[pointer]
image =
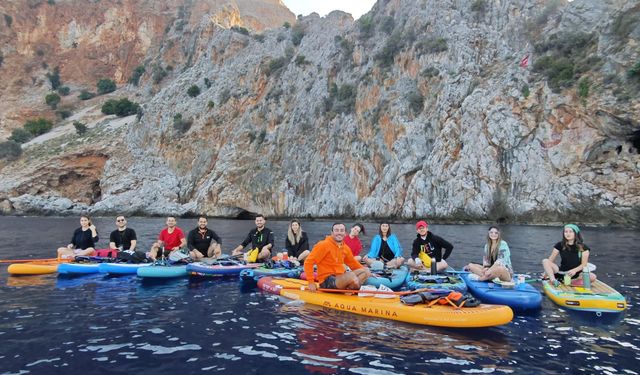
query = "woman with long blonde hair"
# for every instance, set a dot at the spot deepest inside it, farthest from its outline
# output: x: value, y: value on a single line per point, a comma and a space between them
x: 297, y: 242
x: 496, y: 261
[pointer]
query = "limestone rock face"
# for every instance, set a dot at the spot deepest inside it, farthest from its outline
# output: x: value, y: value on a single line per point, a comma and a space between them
x: 419, y: 109
x: 91, y: 40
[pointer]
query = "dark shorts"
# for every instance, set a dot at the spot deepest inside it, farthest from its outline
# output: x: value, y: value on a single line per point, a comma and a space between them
x: 329, y: 283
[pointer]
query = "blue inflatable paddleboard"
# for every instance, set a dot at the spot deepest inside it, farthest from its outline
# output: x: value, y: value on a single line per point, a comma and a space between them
x: 521, y: 297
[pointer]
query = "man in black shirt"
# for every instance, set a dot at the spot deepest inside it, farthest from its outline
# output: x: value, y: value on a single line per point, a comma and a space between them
x: 203, y: 242
x: 429, y: 245
x: 123, y: 238
x: 261, y: 240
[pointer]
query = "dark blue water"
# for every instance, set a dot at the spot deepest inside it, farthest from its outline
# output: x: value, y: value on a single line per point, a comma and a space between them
x: 96, y: 324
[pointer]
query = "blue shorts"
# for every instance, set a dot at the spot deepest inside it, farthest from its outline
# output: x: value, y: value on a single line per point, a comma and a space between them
x: 329, y: 283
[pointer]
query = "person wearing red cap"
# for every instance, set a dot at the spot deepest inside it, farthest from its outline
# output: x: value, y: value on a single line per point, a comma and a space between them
x: 427, y: 243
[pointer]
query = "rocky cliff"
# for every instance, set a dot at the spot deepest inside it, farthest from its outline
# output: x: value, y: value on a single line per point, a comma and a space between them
x: 486, y: 110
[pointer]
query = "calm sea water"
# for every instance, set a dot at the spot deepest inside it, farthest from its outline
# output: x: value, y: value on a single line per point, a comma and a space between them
x: 96, y: 324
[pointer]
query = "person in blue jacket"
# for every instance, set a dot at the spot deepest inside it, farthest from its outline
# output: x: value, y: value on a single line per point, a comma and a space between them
x: 385, y: 247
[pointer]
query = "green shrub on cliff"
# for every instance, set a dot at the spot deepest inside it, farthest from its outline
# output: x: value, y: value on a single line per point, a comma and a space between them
x: 297, y: 33
x: 432, y: 45
x: 52, y: 100
x: 181, y: 125
x: 120, y: 108
x: 105, y: 86
x: 20, y: 135
x: 274, y: 66
x: 634, y: 72
x: 566, y: 57
x: 64, y: 90
x: 136, y: 74
x: 387, y: 25
x: 158, y: 74
x: 240, y: 29
x: 365, y: 26
x: 10, y: 150
x: 341, y: 99
x: 86, y: 95
x: 38, y: 126
x: 81, y: 128
x: 390, y: 49
x: 193, y: 91
x: 54, y: 78
x: 478, y: 6
x: 8, y: 20
x: 416, y: 102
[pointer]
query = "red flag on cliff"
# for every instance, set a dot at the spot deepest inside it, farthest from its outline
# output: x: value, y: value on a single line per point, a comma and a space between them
x: 524, y: 62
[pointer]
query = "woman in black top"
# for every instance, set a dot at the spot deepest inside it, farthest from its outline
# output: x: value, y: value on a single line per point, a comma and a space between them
x: 574, y: 256
x: 83, y: 242
x: 297, y: 242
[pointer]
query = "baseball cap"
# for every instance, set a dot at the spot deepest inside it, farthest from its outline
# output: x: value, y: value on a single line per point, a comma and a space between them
x: 421, y: 223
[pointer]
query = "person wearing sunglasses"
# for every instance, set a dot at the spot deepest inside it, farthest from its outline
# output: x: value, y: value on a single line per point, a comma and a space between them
x: 123, y: 238
x: 496, y: 261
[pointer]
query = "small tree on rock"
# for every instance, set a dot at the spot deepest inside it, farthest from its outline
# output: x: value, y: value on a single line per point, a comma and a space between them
x: 106, y: 86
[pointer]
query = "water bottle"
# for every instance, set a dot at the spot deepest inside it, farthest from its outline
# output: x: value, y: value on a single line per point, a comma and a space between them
x: 586, y: 278
x: 434, y: 268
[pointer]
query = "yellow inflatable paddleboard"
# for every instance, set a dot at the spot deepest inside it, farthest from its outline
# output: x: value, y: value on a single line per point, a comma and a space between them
x: 36, y: 268
x: 391, y: 308
x: 600, y: 298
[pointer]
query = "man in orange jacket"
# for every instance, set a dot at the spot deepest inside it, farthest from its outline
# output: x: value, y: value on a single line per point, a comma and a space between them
x: 331, y: 255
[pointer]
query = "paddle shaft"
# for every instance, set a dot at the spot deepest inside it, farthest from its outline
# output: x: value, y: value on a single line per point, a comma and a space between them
x: 28, y: 260
x: 304, y: 287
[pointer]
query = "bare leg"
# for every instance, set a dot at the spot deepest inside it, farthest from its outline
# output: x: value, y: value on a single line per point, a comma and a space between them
x: 413, y: 265
x: 395, y: 262
x: 347, y: 280
x: 153, y: 253
x: 303, y: 256
x: 89, y: 251
x: 498, y: 271
x: 442, y: 265
x: 65, y: 253
x: 476, y: 269
x: 368, y: 260
x: 363, y: 274
x: 550, y: 269
x: 264, y: 254
x: 196, y: 255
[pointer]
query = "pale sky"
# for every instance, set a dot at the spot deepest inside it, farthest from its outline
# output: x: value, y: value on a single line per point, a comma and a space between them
x: 324, y: 7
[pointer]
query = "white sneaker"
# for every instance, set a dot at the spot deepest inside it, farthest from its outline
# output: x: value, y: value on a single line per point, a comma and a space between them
x: 384, y: 288
x: 367, y: 288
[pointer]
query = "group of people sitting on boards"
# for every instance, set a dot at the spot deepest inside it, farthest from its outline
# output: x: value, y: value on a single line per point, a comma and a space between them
x: 337, y: 258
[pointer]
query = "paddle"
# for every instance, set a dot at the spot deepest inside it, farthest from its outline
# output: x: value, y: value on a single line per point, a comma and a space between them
x: 33, y: 260
x: 357, y: 291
